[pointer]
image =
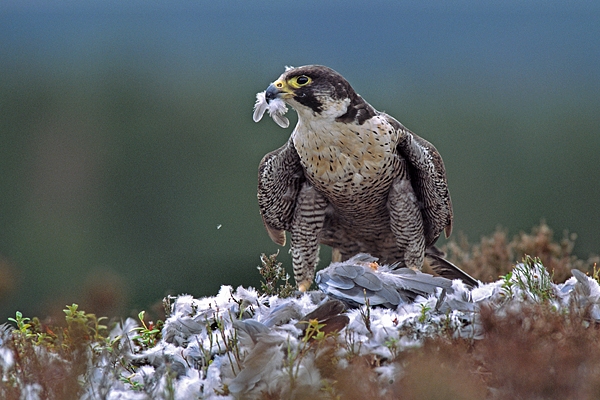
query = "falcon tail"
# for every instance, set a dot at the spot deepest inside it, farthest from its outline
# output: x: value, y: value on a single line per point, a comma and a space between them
x: 445, y: 268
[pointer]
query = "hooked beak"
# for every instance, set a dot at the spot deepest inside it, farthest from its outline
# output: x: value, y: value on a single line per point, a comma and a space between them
x: 272, y: 93
x: 278, y: 90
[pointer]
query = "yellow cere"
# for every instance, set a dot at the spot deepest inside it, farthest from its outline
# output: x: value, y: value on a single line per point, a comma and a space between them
x: 283, y: 86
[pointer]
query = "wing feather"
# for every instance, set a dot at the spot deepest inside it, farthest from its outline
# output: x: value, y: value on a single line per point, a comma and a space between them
x: 280, y: 176
x: 428, y: 178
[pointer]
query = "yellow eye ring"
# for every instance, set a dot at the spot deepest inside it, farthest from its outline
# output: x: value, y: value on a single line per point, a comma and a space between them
x: 299, y: 81
x: 302, y: 80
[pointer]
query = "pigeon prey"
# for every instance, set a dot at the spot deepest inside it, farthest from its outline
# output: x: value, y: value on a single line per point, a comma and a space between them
x: 349, y: 177
x: 361, y: 279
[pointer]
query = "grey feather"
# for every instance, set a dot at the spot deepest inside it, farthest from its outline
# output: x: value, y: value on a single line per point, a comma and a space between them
x: 380, y: 286
x: 264, y: 358
x: 583, y: 283
x: 419, y: 281
x: 339, y: 281
x: 369, y: 281
x: 282, y: 314
x: 252, y: 328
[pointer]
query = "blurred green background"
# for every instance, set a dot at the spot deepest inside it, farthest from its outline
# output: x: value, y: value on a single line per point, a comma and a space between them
x: 128, y: 154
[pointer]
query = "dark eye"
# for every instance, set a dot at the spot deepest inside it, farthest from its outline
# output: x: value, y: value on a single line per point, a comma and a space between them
x: 299, y: 81
x: 302, y: 80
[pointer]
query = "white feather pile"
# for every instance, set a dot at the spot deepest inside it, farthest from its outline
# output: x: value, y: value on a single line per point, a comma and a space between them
x: 239, y: 344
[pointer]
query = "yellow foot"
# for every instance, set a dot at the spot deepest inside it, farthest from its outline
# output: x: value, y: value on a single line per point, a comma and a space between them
x: 304, y: 285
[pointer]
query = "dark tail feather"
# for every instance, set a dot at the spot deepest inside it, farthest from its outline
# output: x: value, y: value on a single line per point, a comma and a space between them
x: 445, y: 268
x: 328, y: 314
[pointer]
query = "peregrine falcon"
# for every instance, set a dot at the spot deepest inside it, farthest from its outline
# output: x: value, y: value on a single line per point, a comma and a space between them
x: 350, y: 177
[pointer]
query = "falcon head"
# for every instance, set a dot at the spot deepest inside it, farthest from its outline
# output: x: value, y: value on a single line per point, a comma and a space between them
x: 316, y: 91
